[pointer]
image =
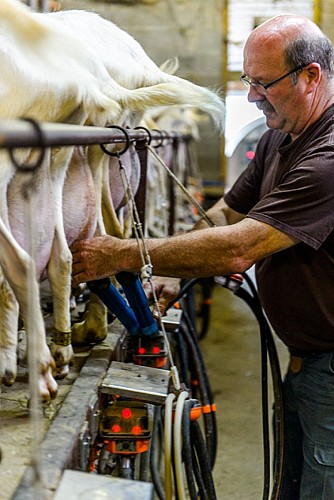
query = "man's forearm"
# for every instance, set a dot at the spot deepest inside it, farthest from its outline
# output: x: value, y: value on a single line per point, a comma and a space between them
x: 198, y: 253
x: 219, y: 214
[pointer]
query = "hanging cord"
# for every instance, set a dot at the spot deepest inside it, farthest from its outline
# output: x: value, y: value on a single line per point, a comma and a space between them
x: 267, y: 346
x: 146, y: 270
x: 188, y: 455
x: 35, y: 411
x: 202, y: 457
x: 209, y: 414
x: 188, y: 335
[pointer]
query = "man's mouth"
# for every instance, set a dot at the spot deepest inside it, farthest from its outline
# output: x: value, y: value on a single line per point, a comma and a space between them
x: 266, y: 108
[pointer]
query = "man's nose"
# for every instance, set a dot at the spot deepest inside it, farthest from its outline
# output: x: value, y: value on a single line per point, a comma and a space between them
x: 255, y: 95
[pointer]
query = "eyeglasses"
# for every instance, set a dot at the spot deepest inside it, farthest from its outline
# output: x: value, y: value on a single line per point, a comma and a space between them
x: 264, y: 87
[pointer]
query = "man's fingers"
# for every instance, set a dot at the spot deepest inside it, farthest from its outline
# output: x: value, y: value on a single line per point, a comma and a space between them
x: 162, y: 305
x: 78, y: 278
x: 147, y: 287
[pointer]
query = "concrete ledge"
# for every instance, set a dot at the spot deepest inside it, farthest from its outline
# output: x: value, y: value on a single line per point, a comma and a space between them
x: 79, y: 486
x: 60, y: 443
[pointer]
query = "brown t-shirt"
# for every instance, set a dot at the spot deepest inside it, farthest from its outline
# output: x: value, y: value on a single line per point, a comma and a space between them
x: 290, y: 185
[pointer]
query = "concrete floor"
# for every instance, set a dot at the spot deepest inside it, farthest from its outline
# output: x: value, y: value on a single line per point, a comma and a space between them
x: 231, y: 350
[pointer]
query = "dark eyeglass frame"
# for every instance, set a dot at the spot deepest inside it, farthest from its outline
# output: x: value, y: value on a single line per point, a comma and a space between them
x: 267, y: 86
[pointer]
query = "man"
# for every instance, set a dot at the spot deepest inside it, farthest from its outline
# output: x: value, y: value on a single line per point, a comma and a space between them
x: 279, y: 216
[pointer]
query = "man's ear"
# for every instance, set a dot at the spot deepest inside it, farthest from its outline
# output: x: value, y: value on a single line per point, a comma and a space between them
x: 313, y: 72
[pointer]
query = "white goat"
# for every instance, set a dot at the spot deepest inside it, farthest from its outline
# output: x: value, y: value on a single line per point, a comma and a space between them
x: 44, y: 76
x: 56, y: 73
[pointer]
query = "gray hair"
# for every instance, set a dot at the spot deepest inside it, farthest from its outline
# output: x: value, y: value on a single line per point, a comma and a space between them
x: 308, y: 48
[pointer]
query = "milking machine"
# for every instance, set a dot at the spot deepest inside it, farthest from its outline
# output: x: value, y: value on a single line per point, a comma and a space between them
x: 131, y: 414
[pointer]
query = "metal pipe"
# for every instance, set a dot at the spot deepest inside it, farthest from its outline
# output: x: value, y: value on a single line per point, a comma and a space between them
x: 20, y: 133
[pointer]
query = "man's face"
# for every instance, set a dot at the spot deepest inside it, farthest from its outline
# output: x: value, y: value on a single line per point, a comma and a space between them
x: 283, y: 103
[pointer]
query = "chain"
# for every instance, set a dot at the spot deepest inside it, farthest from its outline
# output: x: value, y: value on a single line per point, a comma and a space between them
x: 146, y: 270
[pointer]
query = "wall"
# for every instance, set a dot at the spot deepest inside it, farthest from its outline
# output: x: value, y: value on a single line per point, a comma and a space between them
x: 327, y: 18
x: 244, y: 15
x: 188, y: 29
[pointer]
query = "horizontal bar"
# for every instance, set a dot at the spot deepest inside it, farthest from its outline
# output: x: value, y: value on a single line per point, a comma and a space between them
x: 21, y: 133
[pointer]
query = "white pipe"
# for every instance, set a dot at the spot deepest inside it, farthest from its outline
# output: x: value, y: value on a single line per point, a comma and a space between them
x: 178, y: 445
x: 168, y: 446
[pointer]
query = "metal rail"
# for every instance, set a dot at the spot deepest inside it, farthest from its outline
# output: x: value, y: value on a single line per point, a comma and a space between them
x: 21, y: 133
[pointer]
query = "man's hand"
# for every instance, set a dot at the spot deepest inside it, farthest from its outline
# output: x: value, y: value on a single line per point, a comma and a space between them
x: 166, y: 290
x: 95, y: 258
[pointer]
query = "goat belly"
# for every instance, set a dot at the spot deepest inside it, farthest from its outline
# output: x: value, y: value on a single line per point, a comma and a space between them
x: 79, y: 199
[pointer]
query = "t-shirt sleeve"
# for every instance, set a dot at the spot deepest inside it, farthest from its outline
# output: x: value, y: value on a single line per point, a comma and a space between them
x: 245, y: 193
x: 302, y: 203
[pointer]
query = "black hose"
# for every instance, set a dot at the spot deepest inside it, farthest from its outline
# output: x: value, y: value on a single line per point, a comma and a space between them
x: 203, y: 459
x: 183, y: 358
x: 267, y: 347
x: 209, y: 418
x: 186, y: 286
x: 207, y: 399
x: 264, y: 386
x: 254, y: 303
x: 278, y: 396
x: 187, y: 451
x: 202, y: 493
x: 189, y: 303
x: 155, y: 454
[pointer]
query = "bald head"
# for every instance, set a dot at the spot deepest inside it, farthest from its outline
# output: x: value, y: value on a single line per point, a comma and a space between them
x: 286, y: 26
x: 293, y: 39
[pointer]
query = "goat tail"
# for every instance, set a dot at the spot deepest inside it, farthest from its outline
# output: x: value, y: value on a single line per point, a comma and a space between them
x: 101, y: 110
x: 178, y: 92
x: 19, y: 19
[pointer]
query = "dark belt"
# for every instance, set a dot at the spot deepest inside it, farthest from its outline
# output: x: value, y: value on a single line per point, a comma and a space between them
x: 307, y: 354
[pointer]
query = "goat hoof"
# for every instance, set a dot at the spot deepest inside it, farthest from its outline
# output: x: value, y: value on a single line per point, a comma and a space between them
x: 62, y: 372
x: 87, y: 338
x: 9, y: 378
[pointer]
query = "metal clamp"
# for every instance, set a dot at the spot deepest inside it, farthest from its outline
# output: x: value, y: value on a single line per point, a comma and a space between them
x: 148, y: 140
x: 41, y: 144
x: 127, y: 143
